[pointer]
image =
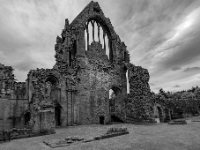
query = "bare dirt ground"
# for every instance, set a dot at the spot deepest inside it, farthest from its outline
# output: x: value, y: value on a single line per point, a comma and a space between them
x: 141, y: 137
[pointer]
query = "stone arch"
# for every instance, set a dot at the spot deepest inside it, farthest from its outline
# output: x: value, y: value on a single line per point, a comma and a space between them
x: 54, y: 74
x: 158, y: 112
x: 93, y: 12
x: 105, y: 39
x: 52, y: 79
x: 115, y: 105
x: 117, y: 91
x: 52, y: 89
x: 105, y: 22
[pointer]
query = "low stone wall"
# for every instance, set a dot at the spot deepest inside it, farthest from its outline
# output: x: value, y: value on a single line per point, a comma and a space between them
x: 112, y: 132
x: 21, y: 133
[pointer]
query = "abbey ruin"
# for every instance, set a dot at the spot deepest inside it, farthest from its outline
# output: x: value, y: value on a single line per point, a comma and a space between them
x: 75, y: 90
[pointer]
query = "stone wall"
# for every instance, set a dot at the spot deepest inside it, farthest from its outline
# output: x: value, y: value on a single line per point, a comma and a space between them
x: 90, y: 71
x: 13, y: 100
x: 12, y: 113
x: 76, y: 90
x: 137, y: 104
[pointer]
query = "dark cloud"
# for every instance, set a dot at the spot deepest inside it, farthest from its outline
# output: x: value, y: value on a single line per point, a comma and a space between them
x: 192, y: 69
x: 176, y: 86
x: 185, y: 53
x: 175, y: 68
x: 28, y: 30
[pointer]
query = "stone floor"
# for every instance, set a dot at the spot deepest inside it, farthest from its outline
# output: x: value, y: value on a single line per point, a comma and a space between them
x: 141, y: 137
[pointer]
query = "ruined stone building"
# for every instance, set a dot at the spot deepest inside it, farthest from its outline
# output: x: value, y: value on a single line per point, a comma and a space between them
x: 14, y: 104
x: 89, y: 63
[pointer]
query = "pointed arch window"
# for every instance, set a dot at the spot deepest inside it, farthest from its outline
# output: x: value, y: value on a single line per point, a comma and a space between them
x: 96, y: 32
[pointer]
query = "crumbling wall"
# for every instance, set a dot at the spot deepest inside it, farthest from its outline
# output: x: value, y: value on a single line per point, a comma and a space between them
x: 82, y: 76
x: 89, y: 70
x: 6, y: 82
x: 13, y: 100
x: 42, y: 103
x: 137, y: 104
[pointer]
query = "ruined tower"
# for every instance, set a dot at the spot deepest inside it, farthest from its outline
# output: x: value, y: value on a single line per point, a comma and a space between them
x: 88, y: 70
x: 91, y: 60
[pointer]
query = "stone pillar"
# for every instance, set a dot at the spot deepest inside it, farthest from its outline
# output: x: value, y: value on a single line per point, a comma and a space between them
x: 81, y: 43
x: 98, y: 25
x: 63, y: 103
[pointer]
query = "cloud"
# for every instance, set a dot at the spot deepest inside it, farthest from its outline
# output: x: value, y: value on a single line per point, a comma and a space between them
x: 162, y: 36
x: 176, y: 86
x: 28, y: 31
x: 192, y: 69
x: 175, y: 68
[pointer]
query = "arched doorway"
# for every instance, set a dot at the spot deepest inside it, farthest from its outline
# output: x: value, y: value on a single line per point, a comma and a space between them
x: 114, y: 93
x: 27, y: 118
x: 58, y: 115
x: 53, y: 94
x: 114, y: 97
x: 160, y: 115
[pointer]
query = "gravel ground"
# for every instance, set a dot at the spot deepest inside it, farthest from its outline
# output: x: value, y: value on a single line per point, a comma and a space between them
x: 141, y: 137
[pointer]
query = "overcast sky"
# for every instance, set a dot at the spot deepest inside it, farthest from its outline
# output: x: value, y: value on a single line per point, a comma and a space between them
x: 161, y: 35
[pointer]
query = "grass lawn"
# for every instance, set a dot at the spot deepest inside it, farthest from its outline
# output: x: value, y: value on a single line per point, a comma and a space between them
x: 141, y: 137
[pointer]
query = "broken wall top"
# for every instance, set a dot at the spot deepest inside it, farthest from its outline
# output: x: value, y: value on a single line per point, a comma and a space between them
x: 73, y: 32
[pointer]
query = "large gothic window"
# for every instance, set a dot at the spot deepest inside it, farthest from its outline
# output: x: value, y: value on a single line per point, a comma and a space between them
x: 95, y: 32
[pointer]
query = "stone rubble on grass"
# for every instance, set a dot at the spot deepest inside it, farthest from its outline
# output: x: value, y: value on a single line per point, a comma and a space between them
x: 112, y: 132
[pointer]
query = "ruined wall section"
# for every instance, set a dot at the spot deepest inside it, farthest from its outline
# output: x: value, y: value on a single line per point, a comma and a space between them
x: 138, y: 80
x: 42, y: 106
x: 138, y: 103
x: 9, y: 88
x: 98, y: 77
x: 90, y: 72
x: 13, y: 99
x: 7, y: 81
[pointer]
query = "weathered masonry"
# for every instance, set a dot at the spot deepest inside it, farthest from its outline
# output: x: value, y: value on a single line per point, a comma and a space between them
x: 90, y: 61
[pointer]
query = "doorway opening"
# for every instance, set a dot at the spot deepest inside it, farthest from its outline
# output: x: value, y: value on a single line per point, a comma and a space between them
x: 27, y: 118
x: 114, y: 93
x: 159, y: 113
x: 58, y: 115
x: 101, y: 119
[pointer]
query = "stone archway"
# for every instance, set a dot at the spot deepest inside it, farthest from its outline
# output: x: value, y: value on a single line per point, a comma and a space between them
x: 52, y: 91
x: 159, y: 110
x: 97, y: 31
x: 114, y: 93
x: 114, y: 105
x: 52, y: 94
